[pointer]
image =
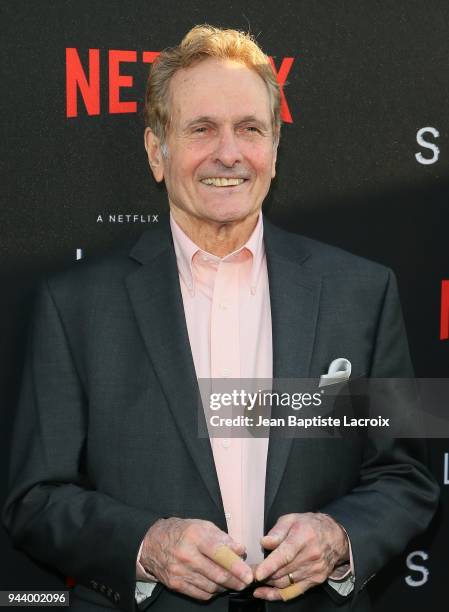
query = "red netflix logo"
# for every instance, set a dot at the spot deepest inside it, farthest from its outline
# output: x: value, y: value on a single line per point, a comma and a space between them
x: 86, y: 81
x: 444, y: 324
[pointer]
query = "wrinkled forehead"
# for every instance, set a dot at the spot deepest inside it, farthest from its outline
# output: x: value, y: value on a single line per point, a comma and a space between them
x: 220, y: 89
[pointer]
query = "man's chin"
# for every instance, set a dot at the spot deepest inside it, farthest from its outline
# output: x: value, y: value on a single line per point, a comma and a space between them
x: 228, y: 214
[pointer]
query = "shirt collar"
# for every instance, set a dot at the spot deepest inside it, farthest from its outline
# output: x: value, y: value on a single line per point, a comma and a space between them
x: 185, y: 250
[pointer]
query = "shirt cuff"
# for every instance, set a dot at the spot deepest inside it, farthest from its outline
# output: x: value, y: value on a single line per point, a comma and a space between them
x: 342, y: 578
x: 145, y: 582
x: 141, y: 572
x: 343, y: 587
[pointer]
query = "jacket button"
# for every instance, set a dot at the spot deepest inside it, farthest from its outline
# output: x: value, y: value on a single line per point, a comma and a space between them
x: 116, y: 597
x: 93, y: 584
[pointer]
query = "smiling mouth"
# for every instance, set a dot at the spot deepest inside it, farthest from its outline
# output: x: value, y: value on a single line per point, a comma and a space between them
x: 223, y: 182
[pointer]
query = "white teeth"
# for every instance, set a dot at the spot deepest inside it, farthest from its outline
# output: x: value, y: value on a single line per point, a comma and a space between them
x: 223, y: 182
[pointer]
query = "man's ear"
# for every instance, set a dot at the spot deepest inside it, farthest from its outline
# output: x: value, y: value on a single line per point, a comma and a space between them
x: 153, y: 148
x: 275, y: 155
x: 277, y: 135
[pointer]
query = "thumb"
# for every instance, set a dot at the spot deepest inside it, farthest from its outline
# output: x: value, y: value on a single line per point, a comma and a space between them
x: 278, y: 532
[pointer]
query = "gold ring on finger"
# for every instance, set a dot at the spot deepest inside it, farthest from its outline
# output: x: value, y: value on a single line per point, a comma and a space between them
x: 290, y: 577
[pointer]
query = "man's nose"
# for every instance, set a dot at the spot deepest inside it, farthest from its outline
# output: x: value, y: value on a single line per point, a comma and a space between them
x: 228, y: 148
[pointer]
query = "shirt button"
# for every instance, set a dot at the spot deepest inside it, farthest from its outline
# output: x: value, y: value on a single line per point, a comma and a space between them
x: 223, y: 305
x: 225, y: 373
x: 226, y: 443
x: 204, y: 257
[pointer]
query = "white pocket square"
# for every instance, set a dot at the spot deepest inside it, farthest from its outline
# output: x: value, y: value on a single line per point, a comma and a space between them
x: 339, y: 371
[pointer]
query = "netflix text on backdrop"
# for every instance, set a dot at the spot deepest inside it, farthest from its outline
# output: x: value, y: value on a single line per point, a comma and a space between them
x: 85, y: 80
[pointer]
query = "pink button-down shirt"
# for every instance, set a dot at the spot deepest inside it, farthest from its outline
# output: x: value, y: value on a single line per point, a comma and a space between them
x: 228, y: 315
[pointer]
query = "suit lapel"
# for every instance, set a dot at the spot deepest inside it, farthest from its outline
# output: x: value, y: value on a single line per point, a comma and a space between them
x: 294, y: 297
x: 156, y: 299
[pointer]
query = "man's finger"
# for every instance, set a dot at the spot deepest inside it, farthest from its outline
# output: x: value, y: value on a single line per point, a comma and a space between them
x: 286, y: 579
x: 204, y: 584
x: 285, y: 594
x: 300, y: 566
x: 193, y: 591
x: 226, y: 558
x: 292, y: 591
x: 268, y: 593
x: 215, y: 537
x: 282, y: 556
x: 210, y: 570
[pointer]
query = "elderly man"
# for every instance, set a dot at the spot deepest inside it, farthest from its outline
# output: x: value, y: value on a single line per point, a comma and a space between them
x: 111, y: 483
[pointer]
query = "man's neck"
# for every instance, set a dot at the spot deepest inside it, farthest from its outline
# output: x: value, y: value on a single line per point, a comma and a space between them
x: 219, y: 239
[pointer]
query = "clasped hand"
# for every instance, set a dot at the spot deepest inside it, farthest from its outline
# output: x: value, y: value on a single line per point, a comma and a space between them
x: 305, y: 549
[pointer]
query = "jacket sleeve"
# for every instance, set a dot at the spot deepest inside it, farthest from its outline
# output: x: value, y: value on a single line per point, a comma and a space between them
x: 396, y: 495
x: 53, y: 512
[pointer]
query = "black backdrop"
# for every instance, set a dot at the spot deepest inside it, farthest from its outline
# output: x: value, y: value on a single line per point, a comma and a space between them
x: 356, y: 169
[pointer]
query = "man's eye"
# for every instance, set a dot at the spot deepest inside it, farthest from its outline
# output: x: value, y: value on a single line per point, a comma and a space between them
x: 200, y: 130
x: 251, y: 128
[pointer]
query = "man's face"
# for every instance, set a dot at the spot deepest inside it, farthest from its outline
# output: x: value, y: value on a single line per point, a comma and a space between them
x: 221, y: 157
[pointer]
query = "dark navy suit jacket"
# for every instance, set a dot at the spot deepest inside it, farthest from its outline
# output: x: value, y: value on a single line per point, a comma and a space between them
x: 106, y: 432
